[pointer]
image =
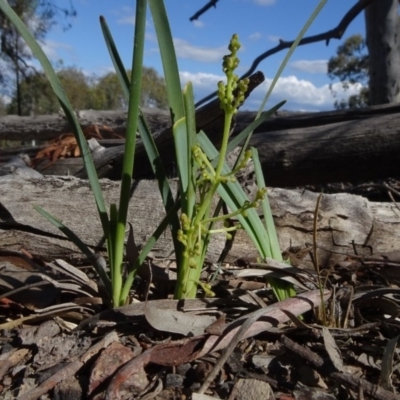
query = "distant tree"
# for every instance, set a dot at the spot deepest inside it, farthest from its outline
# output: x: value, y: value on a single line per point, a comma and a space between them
x: 77, y: 86
x: 350, y: 66
x: 39, y: 16
x: 107, y: 93
x: 39, y: 98
x: 84, y: 92
x: 154, y: 93
x: 3, y: 106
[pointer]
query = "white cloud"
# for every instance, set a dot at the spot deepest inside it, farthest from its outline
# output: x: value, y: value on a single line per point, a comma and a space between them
x: 273, y: 38
x: 201, y: 54
x: 198, y: 24
x: 300, y: 94
x: 128, y: 20
x: 126, y: 16
x: 264, y: 2
x: 255, y: 36
x: 202, y: 80
x: 6, y: 100
x: 52, y: 48
x: 311, y: 66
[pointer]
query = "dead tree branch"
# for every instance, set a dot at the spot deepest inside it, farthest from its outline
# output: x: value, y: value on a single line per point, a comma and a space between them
x: 335, y: 33
x: 211, y: 3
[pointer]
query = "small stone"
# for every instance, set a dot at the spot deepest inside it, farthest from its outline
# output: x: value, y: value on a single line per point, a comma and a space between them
x: 174, y: 380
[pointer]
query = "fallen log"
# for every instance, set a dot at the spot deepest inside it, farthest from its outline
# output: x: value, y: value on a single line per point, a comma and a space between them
x: 351, y: 151
x: 345, y: 221
x: 337, y: 146
x: 46, y: 127
x: 363, y: 146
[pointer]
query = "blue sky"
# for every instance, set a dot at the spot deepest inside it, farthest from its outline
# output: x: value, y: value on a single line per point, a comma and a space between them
x: 200, y: 45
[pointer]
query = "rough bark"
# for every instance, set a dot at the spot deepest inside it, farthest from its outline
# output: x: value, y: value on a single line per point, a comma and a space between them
x: 350, y: 151
x: 383, y: 42
x: 293, y: 152
x: 342, y: 220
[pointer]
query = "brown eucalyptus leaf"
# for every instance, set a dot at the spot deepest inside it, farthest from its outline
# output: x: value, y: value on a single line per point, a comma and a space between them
x: 266, y: 318
x: 387, y: 364
x: 332, y: 349
x: 176, y: 321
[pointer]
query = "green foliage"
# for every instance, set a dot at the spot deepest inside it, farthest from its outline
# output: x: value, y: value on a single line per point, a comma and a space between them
x: 38, y: 97
x: 3, y: 106
x: 84, y: 92
x: 350, y: 66
x: 153, y: 93
x: 107, y: 94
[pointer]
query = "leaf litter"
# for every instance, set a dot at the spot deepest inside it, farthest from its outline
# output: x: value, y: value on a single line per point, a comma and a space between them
x: 60, y: 339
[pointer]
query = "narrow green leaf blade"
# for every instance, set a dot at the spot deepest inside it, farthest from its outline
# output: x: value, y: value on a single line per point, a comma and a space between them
x: 281, y: 288
x: 269, y: 221
x: 169, y: 60
x: 185, y: 138
x: 115, y: 57
x: 181, y: 146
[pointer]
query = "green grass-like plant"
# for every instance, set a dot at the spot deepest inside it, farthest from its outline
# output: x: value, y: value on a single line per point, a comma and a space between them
x: 202, y: 170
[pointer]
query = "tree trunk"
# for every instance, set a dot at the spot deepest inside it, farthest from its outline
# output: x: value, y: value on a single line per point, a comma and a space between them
x: 383, y: 42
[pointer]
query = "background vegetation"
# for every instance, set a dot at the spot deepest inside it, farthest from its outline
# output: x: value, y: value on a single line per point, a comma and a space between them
x: 85, y: 92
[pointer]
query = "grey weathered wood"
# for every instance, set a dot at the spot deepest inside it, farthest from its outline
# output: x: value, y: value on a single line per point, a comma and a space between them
x: 342, y: 219
x: 363, y: 148
x: 47, y: 127
x: 347, y: 145
x: 345, y: 151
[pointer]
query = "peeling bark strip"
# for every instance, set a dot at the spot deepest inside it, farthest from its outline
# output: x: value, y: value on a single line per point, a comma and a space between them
x: 342, y: 220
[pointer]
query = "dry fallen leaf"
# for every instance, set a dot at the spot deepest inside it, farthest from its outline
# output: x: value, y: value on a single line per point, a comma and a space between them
x: 175, y: 321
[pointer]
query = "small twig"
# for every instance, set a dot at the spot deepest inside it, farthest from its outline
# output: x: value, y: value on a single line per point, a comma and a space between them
x: 390, y: 188
x: 196, y: 15
x: 227, y: 352
x: 374, y: 391
x: 315, y: 256
x: 346, y: 318
x: 303, y: 352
